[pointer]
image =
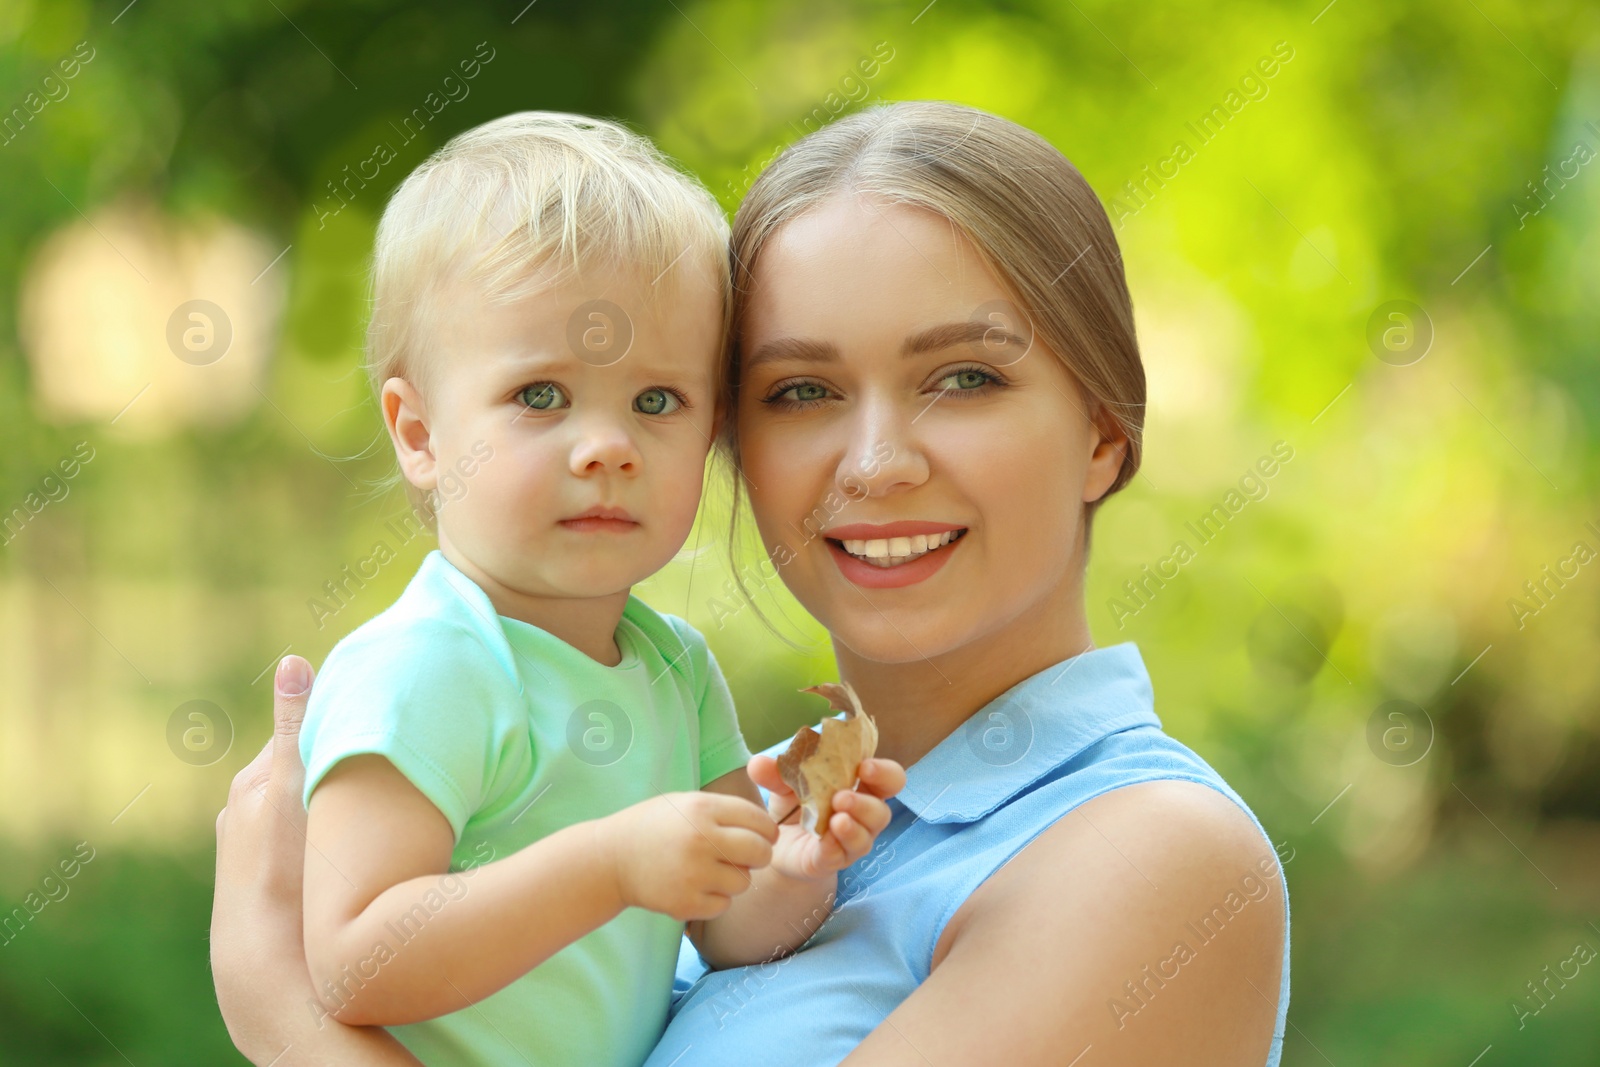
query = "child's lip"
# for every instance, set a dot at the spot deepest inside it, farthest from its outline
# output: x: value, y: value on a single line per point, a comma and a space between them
x: 599, y: 525
x: 618, y: 514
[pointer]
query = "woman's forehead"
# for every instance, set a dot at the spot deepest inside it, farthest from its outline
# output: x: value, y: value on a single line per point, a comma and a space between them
x: 851, y: 264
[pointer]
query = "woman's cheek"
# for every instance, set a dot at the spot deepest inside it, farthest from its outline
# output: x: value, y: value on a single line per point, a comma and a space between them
x: 767, y: 486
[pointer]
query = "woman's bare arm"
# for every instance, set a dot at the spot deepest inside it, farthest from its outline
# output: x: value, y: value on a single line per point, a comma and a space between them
x: 1141, y: 928
x: 258, y: 960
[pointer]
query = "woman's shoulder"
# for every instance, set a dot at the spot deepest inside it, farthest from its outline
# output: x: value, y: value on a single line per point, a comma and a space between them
x: 1181, y: 841
x: 1153, y: 909
x: 1140, y: 807
x: 1179, y: 826
x: 1146, y: 774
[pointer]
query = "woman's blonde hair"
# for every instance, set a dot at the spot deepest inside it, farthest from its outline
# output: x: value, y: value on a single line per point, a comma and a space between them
x: 523, y: 202
x: 1019, y: 201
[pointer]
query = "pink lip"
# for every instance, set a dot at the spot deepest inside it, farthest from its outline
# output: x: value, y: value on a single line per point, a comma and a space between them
x: 601, y: 520
x: 866, y: 531
x: 870, y: 577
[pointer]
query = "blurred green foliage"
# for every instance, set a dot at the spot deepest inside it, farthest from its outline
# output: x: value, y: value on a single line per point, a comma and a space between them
x: 1389, y: 158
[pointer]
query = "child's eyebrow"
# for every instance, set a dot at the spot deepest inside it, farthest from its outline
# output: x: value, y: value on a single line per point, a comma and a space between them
x: 540, y: 361
x: 529, y: 359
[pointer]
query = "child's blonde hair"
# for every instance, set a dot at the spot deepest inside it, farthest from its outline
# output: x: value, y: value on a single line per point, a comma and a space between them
x: 524, y: 202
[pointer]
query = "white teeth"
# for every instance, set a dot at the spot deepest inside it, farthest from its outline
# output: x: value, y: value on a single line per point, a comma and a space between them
x: 893, y: 551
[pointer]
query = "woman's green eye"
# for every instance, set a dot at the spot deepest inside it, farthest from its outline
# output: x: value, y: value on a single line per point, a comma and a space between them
x: 805, y: 392
x: 543, y: 396
x: 965, y: 380
x: 656, y: 402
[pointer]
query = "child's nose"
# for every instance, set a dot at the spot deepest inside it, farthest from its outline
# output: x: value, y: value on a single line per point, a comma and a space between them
x: 605, y: 446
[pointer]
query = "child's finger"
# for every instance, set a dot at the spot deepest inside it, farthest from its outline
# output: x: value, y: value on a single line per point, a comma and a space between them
x: 873, y: 814
x: 729, y: 880
x: 881, y: 777
x: 832, y: 855
x: 781, y: 801
x: 742, y: 847
x: 737, y: 812
x: 853, y: 840
x: 763, y: 771
x: 784, y: 812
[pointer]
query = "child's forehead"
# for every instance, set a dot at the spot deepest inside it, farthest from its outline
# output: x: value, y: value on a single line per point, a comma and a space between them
x: 550, y: 290
x: 595, y: 318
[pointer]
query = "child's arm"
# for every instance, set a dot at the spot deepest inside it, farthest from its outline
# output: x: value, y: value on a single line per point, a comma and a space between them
x: 392, y: 937
x: 792, y: 897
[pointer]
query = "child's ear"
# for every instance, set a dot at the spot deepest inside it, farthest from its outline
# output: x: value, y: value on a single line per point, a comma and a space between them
x: 405, y: 416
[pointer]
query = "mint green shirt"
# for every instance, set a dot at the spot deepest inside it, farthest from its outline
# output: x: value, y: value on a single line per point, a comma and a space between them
x: 513, y: 734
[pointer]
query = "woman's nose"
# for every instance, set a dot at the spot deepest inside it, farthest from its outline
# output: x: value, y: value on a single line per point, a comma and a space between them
x: 884, y: 454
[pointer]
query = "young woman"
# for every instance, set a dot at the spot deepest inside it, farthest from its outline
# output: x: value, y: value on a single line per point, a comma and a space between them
x: 934, y: 383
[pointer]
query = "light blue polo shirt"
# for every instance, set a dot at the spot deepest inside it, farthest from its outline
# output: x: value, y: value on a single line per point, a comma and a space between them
x: 1058, y: 739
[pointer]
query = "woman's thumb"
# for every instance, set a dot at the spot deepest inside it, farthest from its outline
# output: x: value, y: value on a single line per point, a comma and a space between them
x: 291, y: 691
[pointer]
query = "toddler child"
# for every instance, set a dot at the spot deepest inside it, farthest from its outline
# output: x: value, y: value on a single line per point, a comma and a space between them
x: 521, y: 781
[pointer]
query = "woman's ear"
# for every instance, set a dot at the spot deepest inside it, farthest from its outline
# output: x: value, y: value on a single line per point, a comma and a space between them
x: 406, y: 418
x: 1109, y: 444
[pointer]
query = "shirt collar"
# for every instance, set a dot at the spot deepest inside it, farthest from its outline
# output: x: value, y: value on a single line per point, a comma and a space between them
x: 1028, y: 731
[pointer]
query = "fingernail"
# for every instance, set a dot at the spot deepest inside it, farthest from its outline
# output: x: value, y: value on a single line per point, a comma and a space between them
x: 293, y: 677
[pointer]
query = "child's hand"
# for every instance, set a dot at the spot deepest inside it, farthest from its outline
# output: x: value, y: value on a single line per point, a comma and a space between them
x: 687, y: 855
x: 859, y: 816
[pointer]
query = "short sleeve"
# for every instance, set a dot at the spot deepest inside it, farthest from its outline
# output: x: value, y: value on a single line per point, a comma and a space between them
x: 429, y: 696
x: 722, y: 747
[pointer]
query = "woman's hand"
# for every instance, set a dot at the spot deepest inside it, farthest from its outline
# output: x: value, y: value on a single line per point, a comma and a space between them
x: 859, y: 816
x: 257, y: 944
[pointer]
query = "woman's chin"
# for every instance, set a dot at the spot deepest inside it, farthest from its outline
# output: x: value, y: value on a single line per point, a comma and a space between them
x: 890, y: 638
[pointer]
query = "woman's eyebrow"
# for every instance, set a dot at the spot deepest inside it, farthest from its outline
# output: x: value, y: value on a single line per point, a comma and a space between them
x: 952, y: 334
x: 933, y: 339
x: 793, y: 349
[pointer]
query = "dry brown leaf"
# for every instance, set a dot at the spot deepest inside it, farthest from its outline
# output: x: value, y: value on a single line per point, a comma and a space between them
x: 818, y: 766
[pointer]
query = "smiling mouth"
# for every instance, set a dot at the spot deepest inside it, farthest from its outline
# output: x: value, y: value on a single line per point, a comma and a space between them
x: 893, y: 551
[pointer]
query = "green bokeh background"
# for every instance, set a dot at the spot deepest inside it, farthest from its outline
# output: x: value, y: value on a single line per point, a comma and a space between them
x: 1388, y: 159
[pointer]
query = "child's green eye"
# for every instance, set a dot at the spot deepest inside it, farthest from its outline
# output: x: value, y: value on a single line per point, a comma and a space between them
x: 544, y: 396
x: 656, y: 402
